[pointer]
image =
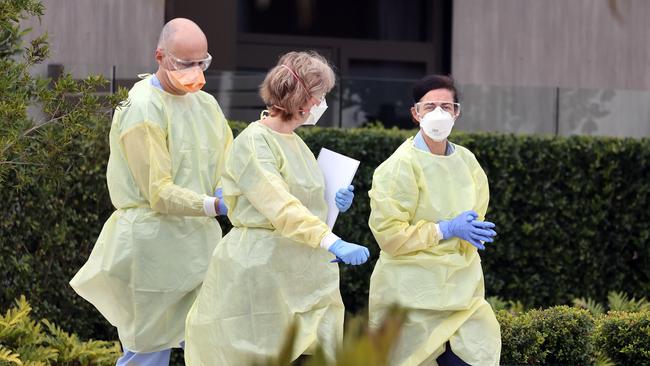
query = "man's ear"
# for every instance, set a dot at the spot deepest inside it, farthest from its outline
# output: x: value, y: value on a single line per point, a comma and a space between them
x: 158, y: 54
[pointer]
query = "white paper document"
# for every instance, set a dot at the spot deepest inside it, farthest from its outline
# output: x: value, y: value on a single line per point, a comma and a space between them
x: 338, y: 171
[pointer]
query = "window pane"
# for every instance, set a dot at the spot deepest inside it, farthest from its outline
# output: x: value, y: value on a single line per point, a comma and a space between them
x: 362, y: 19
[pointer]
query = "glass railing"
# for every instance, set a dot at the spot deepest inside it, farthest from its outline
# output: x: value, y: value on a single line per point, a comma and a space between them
x: 557, y: 111
x: 356, y: 102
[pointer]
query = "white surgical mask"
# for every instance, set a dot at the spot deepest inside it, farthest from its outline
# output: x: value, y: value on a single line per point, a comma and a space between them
x: 315, y: 113
x: 437, y: 124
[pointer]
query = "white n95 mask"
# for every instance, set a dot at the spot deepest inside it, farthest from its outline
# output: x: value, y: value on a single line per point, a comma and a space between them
x: 437, y: 124
x: 315, y: 113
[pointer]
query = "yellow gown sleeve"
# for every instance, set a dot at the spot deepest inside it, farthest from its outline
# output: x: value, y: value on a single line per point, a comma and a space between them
x: 148, y: 158
x: 227, y: 141
x: 482, y: 189
x: 255, y: 171
x: 393, y: 201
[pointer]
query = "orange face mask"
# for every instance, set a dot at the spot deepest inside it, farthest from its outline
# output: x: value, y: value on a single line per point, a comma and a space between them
x: 188, y: 80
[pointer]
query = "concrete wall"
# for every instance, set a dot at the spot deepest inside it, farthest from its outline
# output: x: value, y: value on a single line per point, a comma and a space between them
x: 526, y: 66
x: 565, y: 43
x: 92, y: 35
x: 553, y: 66
x: 555, y: 111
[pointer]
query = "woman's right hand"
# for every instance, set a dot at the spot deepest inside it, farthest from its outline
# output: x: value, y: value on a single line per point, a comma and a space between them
x: 466, y: 226
x: 349, y: 253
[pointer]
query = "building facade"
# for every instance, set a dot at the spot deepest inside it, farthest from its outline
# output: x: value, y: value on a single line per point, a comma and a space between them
x: 526, y: 66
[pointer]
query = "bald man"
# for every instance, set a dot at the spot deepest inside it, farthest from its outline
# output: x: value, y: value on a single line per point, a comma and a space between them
x: 168, y: 147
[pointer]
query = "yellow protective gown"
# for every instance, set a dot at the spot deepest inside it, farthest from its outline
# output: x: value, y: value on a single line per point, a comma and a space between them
x: 269, y: 270
x: 439, y: 281
x: 167, y: 155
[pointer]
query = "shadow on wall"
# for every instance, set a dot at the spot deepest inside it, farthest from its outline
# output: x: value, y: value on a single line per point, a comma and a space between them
x: 555, y: 111
x: 581, y: 110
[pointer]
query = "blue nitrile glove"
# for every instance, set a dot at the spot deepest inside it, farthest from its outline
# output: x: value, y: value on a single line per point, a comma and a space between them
x: 221, y: 206
x: 349, y: 253
x: 466, y: 227
x: 344, y: 198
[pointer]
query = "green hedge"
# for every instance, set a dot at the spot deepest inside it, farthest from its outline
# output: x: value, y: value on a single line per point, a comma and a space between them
x: 572, y: 216
x: 47, y: 231
x: 569, y: 336
x: 555, y: 336
x: 625, y: 337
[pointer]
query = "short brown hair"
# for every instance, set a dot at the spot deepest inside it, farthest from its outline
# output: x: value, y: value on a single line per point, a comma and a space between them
x: 433, y: 82
x: 285, y: 93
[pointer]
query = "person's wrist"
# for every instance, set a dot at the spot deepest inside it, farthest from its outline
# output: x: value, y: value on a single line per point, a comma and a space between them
x: 209, y: 206
x: 335, y: 245
x: 444, y: 229
x: 329, y: 240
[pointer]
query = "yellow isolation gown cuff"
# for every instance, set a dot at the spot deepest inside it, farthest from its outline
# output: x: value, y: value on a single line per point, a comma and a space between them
x: 209, y: 206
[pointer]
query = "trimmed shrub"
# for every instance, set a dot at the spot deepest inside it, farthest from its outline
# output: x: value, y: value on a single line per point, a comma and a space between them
x: 624, y: 337
x: 521, y: 340
x: 555, y: 336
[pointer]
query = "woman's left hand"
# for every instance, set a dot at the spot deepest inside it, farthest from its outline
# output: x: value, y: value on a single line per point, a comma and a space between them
x: 344, y: 198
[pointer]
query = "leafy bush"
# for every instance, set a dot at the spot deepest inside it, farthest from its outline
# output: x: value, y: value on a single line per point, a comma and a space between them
x: 555, y: 336
x: 53, y: 147
x: 47, y: 231
x: 590, y: 305
x: 513, y: 307
x: 569, y: 336
x: 24, y: 341
x: 617, y: 301
x: 624, y: 337
x: 521, y: 340
x: 38, y: 116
